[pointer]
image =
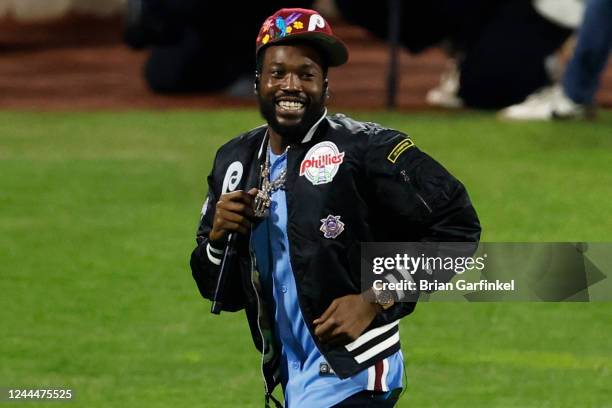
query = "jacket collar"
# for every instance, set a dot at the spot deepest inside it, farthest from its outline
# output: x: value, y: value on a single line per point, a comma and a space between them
x: 307, y: 138
x: 314, y: 127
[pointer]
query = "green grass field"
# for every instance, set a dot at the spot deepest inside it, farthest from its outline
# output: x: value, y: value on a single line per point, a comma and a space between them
x: 97, y: 220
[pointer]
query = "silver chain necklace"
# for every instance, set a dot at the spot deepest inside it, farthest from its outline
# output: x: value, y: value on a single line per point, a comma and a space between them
x: 263, y: 200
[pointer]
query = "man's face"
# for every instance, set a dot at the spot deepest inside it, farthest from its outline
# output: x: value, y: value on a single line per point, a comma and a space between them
x: 291, y: 89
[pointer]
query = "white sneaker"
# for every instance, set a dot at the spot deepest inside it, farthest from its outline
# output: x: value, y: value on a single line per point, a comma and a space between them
x: 546, y: 104
x: 445, y: 95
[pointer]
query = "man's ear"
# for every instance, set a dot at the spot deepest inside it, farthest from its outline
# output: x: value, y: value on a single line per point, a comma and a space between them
x: 326, y: 88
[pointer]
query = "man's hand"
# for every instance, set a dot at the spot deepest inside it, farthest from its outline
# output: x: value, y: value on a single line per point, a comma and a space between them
x: 345, y: 319
x: 234, y: 213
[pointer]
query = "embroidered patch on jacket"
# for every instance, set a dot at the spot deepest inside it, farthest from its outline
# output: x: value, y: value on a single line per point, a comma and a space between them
x: 400, y: 148
x: 232, y: 178
x: 321, y: 163
x: 331, y: 226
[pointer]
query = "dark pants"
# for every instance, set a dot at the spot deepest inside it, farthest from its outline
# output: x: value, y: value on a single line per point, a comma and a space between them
x: 370, y: 399
x: 583, y: 74
x: 424, y: 23
x: 504, y: 43
x: 506, y: 62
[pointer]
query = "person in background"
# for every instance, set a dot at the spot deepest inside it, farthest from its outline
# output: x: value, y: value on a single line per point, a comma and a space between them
x: 197, y: 45
x: 574, y: 97
x: 499, y: 48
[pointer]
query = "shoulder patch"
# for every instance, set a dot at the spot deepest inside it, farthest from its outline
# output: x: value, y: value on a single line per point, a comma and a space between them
x: 400, y: 148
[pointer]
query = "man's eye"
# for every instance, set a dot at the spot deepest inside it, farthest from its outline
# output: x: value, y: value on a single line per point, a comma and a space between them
x: 277, y: 73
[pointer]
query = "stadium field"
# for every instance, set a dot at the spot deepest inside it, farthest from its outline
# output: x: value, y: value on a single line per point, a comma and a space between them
x: 97, y: 220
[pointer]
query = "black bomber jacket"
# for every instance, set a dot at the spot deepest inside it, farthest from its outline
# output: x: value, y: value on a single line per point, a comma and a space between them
x: 383, y: 188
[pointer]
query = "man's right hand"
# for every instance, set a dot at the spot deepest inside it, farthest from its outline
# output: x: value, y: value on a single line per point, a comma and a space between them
x: 234, y: 213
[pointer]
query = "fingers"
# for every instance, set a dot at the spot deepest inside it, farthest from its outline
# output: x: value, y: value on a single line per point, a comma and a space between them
x: 233, y: 226
x: 234, y: 212
x: 238, y: 196
x: 344, y: 320
x: 235, y: 207
x: 325, y: 329
x: 326, y: 315
x: 230, y: 221
x: 325, y: 324
x: 333, y: 332
x: 238, y: 202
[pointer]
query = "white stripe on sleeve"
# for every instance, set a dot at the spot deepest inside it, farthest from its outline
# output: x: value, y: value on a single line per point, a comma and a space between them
x: 369, y: 335
x: 379, y: 348
x: 215, y: 250
x: 211, y: 257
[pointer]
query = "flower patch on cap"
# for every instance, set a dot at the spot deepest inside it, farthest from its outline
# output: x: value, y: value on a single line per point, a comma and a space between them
x: 278, y: 27
x: 304, y: 25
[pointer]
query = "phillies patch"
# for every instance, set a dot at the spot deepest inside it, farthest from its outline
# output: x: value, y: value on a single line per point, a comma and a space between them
x: 331, y: 226
x: 321, y: 163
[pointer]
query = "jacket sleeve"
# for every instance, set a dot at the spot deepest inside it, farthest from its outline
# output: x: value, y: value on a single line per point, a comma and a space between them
x: 207, y: 256
x: 416, y: 198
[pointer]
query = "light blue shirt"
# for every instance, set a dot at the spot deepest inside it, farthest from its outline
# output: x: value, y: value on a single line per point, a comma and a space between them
x: 303, y: 384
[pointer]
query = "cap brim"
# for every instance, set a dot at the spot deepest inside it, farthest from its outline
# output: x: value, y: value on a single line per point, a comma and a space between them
x: 334, y: 49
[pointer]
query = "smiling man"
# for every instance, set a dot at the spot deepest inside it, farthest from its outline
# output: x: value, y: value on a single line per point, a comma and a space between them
x: 300, y: 194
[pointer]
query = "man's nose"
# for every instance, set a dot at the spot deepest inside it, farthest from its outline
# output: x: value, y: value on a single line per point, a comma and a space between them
x: 292, y: 83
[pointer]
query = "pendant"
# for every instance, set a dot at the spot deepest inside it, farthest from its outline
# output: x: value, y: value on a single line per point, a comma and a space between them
x: 262, y: 203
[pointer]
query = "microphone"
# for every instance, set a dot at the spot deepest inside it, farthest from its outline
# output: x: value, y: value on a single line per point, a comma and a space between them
x: 228, y: 259
x: 231, y: 182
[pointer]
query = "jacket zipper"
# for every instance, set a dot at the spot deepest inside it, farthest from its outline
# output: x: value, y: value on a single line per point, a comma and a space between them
x: 261, y: 336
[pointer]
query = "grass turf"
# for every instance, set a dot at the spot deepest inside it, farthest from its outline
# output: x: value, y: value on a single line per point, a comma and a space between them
x: 97, y: 219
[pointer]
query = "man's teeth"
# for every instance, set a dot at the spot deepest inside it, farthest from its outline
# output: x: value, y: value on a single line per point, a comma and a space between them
x: 290, y: 105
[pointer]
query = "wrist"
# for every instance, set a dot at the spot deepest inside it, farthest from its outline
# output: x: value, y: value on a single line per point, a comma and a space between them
x: 216, y: 241
x: 369, y: 297
x: 383, y: 298
x: 378, y: 309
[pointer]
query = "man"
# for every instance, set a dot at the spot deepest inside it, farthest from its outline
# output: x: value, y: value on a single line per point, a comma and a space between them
x: 574, y: 97
x: 301, y: 193
x: 498, y: 47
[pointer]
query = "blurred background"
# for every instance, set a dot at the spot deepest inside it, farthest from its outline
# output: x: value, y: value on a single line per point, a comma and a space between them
x: 62, y: 54
x: 111, y: 112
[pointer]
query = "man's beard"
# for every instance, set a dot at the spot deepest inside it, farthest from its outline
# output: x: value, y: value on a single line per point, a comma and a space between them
x: 292, y: 133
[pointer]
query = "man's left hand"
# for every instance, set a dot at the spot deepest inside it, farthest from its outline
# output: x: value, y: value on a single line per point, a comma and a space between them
x: 345, y: 319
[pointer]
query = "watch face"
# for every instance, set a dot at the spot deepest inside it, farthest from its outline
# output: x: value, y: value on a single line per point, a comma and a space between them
x: 384, y: 298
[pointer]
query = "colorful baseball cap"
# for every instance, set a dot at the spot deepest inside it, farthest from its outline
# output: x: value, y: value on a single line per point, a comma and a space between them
x: 302, y: 25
